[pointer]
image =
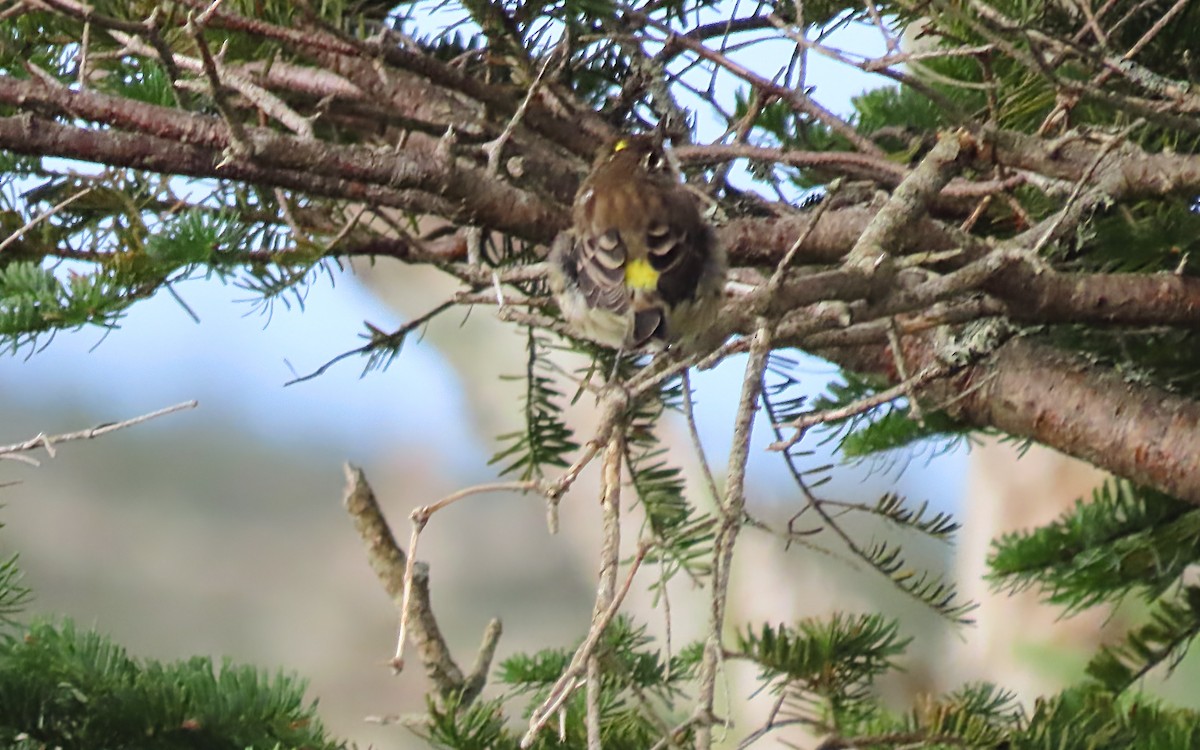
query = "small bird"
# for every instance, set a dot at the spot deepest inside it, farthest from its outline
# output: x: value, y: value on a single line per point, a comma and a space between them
x: 639, y: 266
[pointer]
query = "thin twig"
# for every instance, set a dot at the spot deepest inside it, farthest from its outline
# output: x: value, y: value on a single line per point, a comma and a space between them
x: 732, y: 507
x: 610, y: 561
x: 20, y: 232
x: 797, y: 99
x: 269, y: 103
x: 208, y: 12
x: 1070, y: 209
x: 420, y: 518
x: 84, y: 46
x: 956, y: 613
x: 48, y: 442
x: 689, y: 412
x: 495, y: 148
x: 805, y: 421
x: 770, y: 724
x: 381, y: 340
x: 567, y: 682
x: 408, y: 586
x: 406, y: 596
x: 237, y: 131
x: 592, y: 715
x: 608, y: 598
x: 555, y: 490
x: 897, y: 347
x: 423, y: 513
x: 773, y: 284
x: 165, y: 55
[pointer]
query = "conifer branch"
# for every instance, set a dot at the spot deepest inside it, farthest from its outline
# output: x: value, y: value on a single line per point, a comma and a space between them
x: 610, y: 560
x: 882, y: 556
x: 1031, y: 273
x: 1036, y: 391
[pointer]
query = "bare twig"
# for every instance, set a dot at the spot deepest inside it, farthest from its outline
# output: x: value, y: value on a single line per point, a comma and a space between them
x: 494, y: 149
x: 268, y: 102
x: 771, y: 289
x: 610, y: 560
x: 689, y: 412
x: 20, y: 232
x: 730, y: 523
x: 408, y: 585
x: 1072, y: 209
x: 555, y: 490
x: 83, y: 72
x: 805, y: 421
x: 208, y: 12
x: 420, y: 517
x: 797, y: 99
x: 49, y: 441
x: 568, y: 682
x: 237, y: 131
x: 592, y: 716
x: 608, y: 596
x: 425, y: 512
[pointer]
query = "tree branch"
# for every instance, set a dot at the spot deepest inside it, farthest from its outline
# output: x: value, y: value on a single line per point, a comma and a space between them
x: 49, y: 441
x: 1036, y: 391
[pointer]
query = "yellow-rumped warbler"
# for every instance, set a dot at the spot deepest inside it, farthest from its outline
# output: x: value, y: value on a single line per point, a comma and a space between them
x: 639, y: 264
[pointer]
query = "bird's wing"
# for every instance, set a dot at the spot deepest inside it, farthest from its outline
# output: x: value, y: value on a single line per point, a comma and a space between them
x: 600, y: 266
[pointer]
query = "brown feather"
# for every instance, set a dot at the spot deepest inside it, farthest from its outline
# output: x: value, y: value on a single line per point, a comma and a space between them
x: 633, y: 207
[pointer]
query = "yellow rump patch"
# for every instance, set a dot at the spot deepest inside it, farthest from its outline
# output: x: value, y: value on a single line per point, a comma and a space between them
x: 639, y: 274
x: 620, y: 145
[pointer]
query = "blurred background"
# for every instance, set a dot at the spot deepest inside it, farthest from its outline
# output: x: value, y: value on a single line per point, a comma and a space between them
x: 220, y: 530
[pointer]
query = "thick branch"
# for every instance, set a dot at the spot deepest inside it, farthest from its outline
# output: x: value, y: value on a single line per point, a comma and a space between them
x: 389, y: 563
x: 1027, y: 292
x: 414, y: 179
x: 417, y: 165
x: 763, y: 242
x: 25, y: 134
x: 908, y: 202
x: 1118, y: 298
x: 1133, y: 172
x: 956, y: 197
x: 191, y: 145
x: 1036, y: 391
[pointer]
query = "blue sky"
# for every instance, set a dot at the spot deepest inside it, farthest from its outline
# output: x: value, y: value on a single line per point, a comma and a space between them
x: 236, y: 363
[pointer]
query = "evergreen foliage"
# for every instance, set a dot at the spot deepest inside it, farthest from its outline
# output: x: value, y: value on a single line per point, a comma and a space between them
x: 545, y: 440
x: 13, y: 595
x: 639, y: 682
x: 1174, y: 624
x: 885, y: 557
x: 877, y: 431
x: 836, y: 660
x: 61, y: 686
x: 283, y: 130
x: 1127, y: 539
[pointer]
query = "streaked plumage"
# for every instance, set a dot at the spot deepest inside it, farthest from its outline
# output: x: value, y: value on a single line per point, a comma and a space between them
x: 639, y: 265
